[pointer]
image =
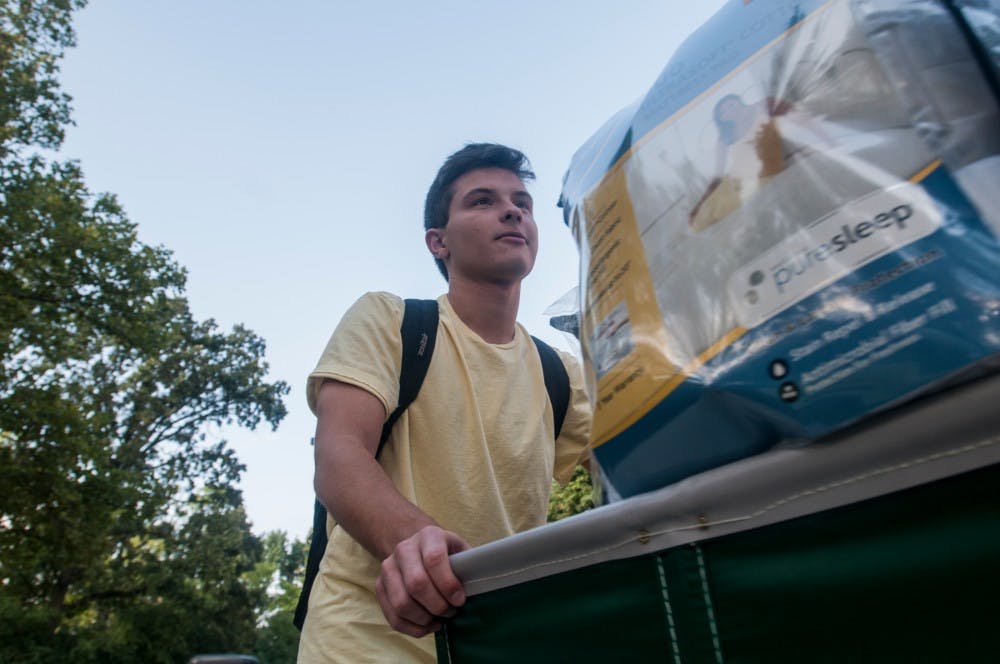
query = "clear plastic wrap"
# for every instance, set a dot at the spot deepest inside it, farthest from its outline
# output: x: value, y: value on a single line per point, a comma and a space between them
x: 795, y: 228
x: 982, y: 18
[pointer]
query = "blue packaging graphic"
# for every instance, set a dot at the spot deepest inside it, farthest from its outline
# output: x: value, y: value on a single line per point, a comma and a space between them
x: 796, y: 228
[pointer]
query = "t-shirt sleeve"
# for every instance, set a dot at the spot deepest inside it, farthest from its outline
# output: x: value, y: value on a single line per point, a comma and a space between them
x: 365, y: 350
x: 573, y: 444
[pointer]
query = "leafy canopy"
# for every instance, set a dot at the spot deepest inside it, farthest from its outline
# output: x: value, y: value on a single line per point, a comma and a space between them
x: 122, y: 535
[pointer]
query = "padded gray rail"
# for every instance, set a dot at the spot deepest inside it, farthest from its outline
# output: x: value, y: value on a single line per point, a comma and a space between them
x: 946, y: 435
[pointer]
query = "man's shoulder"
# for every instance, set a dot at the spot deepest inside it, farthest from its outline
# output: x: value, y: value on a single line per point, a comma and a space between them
x: 375, y: 307
x: 384, y: 300
x: 380, y: 299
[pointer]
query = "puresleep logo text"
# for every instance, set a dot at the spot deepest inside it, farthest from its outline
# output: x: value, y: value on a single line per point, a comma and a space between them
x: 831, y: 248
x: 800, y: 264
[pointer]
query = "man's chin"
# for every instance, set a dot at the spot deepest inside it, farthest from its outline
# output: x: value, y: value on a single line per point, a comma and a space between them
x: 518, y: 271
x: 505, y: 272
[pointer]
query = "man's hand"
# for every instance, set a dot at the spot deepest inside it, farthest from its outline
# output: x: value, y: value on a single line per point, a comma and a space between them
x: 417, y: 587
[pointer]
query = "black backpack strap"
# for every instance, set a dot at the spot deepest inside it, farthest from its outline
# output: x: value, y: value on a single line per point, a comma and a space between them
x: 317, y: 547
x: 418, y: 332
x: 556, y: 381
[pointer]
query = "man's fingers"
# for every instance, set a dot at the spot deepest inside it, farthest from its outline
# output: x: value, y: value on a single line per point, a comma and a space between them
x: 455, y: 543
x: 417, y: 587
x: 401, y: 611
x: 423, y: 565
x: 435, y: 551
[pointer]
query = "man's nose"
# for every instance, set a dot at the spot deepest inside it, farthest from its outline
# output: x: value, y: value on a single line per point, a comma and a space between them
x: 512, y: 214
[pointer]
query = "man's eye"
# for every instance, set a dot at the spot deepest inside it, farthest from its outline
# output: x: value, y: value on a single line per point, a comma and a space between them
x: 481, y: 201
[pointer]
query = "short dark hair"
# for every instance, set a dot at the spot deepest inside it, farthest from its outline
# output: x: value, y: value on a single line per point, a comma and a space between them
x: 473, y: 156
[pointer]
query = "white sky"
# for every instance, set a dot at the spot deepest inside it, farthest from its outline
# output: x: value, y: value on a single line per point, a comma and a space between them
x: 282, y: 151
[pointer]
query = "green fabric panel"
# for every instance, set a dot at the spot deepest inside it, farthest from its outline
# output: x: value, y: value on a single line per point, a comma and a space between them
x: 594, y: 614
x: 910, y: 577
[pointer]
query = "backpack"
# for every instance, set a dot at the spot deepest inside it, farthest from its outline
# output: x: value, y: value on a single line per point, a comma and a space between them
x: 419, y: 332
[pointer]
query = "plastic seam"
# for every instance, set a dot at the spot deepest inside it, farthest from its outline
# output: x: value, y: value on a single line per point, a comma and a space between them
x: 979, y: 52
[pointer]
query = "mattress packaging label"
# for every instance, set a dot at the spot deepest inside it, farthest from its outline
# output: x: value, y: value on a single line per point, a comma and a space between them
x: 794, y: 229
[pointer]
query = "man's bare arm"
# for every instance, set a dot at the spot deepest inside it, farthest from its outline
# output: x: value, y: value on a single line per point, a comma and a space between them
x: 416, y: 585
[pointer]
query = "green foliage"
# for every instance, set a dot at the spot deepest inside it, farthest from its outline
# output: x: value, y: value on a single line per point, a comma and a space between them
x: 122, y: 536
x: 576, y: 496
x: 280, y: 573
x: 33, y: 34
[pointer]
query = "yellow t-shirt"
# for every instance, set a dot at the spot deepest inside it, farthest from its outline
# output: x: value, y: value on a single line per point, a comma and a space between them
x: 474, y: 451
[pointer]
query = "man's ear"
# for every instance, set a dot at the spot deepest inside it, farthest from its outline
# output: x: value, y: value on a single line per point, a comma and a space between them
x: 434, y: 237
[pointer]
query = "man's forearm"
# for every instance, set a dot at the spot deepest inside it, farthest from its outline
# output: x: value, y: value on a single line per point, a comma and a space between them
x: 361, y: 498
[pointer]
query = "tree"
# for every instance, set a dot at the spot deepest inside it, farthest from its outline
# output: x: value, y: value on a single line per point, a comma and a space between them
x: 279, y: 574
x: 33, y: 110
x: 122, y: 536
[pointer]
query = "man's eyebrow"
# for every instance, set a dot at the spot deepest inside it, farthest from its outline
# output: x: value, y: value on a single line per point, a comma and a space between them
x: 488, y: 191
x: 478, y: 191
x: 524, y: 194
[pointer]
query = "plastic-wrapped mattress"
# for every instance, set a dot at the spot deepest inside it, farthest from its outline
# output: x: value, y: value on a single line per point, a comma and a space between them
x: 794, y: 229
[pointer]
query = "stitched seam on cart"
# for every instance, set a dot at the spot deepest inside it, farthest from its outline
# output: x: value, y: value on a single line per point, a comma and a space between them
x: 674, y: 647
x: 709, y: 610
x: 447, y: 643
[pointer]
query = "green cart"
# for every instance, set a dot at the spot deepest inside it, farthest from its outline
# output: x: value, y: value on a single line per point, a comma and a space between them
x: 879, y: 545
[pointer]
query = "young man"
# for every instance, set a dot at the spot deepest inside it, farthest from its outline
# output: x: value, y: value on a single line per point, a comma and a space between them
x: 470, y: 461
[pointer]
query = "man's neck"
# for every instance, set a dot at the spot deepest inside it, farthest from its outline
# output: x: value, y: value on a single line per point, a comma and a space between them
x: 489, y: 310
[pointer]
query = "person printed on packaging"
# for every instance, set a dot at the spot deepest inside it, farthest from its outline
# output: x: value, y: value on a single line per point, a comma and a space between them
x: 750, y: 151
x: 470, y: 461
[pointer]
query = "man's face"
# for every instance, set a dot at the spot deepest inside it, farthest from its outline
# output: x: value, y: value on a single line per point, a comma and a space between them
x: 491, y: 233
